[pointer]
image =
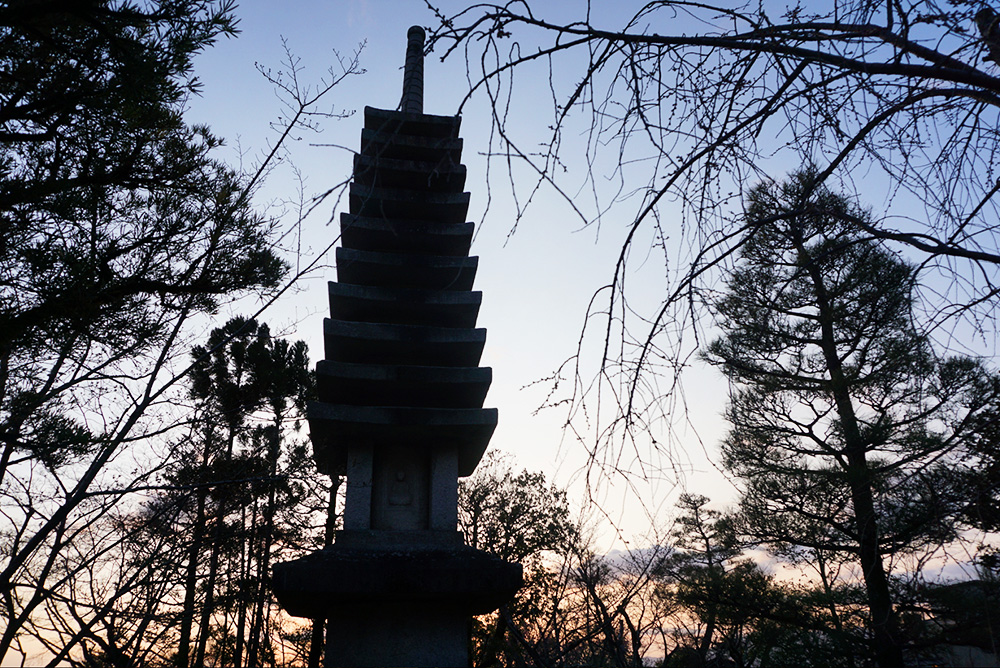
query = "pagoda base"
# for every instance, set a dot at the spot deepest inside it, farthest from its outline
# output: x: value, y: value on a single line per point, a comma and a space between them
x: 396, y: 598
x: 403, y: 636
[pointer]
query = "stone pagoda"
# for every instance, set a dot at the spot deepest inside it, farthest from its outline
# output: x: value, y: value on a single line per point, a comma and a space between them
x: 400, y: 405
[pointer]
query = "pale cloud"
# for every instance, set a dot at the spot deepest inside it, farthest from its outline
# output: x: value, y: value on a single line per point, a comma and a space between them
x: 359, y: 13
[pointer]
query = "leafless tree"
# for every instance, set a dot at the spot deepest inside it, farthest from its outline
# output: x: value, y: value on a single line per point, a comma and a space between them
x: 675, y: 109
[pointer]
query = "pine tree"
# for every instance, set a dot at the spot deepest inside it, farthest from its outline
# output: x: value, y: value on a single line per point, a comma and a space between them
x: 117, y: 225
x: 843, y: 417
x: 248, y: 385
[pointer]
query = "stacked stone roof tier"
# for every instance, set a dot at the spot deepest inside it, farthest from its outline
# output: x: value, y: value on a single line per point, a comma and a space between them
x: 402, y: 349
x: 432, y: 238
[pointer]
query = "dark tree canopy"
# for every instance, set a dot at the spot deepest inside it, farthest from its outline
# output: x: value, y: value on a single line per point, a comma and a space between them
x: 115, y: 218
x: 246, y: 491
x: 730, y: 597
x: 850, y: 434
x: 117, y: 225
x: 520, y: 517
x: 514, y: 515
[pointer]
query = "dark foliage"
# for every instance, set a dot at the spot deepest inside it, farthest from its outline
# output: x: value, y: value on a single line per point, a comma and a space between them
x: 117, y: 225
x: 851, y: 434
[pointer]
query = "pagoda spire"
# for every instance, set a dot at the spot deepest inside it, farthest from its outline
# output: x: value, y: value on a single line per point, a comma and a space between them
x: 413, y: 73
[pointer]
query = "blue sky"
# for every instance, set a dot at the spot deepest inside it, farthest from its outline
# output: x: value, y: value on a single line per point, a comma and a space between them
x: 537, y: 282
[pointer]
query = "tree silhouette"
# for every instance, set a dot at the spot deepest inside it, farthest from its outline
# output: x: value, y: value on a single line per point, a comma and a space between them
x: 517, y: 516
x: 118, y: 226
x: 242, y: 372
x: 842, y: 414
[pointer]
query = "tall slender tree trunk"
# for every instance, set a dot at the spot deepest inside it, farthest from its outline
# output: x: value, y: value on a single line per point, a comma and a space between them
x: 209, y: 605
x: 888, y: 648
x: 8, y: 446
x: 259, y: 603
x: 706, y: 641
x: 183, y: 658
x: 490, y: 651
x: 261, y: 595
x: 885, y: 635
x: 242, y: 599
x: 218, y: 535
x: 255, y: 638
x: 316, y: 640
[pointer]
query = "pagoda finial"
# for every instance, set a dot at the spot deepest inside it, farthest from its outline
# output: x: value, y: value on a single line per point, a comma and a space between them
x: 413, y: 72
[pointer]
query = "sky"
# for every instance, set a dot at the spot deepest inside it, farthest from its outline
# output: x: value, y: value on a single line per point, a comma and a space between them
x: 536, y: 281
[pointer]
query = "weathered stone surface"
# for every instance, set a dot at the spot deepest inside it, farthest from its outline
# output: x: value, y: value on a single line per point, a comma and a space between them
x: 400, y: 270
x: 359, y: 467
x: 335, y: 429
x: 459, y: 578
x: 405, y: 236
x: 446, y: 207
x: 394, y: 385
x: 381, y: 172
x: 386, y: 541
x: 442, y: 512
x: 423, y: 125
x: 403, y: 306
x: 416, y: 345
x: 412, y: 101
x: 401, y: 488
x: 418, y: 636
x: 398, y: 146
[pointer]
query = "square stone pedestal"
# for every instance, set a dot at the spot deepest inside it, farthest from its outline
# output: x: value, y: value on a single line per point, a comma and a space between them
x: 397, y: 636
